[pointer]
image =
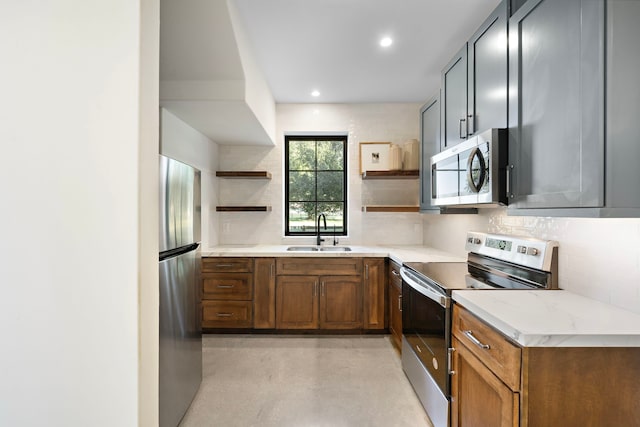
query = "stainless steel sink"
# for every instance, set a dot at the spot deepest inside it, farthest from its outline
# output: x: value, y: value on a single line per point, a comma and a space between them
x: 335, y: 249
x: 321, y: 249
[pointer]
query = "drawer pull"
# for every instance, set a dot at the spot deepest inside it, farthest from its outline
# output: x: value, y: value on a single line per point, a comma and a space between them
x: 224, y: 265
x: 399, y: 302
x: 224, y: 314
x: 418, y: 348
x: 395, y: 273
x: 226, y: 286
x: 475, y: 340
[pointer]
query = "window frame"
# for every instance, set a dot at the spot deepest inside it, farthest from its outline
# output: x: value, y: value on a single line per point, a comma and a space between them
x: 345, y: 177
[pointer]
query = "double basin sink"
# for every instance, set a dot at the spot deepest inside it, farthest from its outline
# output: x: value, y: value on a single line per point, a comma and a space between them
x: 319, y: 249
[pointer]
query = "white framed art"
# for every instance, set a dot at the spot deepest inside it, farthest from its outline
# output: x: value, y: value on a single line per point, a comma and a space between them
x: 374, y: 156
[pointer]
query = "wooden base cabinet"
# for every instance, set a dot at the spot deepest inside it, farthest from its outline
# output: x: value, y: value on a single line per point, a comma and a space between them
x: 374, y: 293
x: 227, y: 292
x: 498, y: 383
x: 480, y: 398
x: 395, y: 305
x: 324, y: 302
x: 264, y: 293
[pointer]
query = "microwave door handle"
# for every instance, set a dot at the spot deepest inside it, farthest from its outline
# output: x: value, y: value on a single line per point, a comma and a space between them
x: 472, y: 184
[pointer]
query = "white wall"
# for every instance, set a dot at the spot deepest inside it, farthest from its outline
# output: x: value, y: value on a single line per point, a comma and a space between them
x: 74, y: 122
x: 395, y: 123
x: 598, y: 257
x: 180, y: 141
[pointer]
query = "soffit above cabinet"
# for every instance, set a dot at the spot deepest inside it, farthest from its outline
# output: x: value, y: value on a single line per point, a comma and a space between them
x: 208, y: 77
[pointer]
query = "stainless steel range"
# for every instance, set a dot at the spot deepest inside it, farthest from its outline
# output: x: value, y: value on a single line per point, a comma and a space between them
x: 493, y: 262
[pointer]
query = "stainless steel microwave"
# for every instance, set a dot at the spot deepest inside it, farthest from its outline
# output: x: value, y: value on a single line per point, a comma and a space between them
x: 472, y: 173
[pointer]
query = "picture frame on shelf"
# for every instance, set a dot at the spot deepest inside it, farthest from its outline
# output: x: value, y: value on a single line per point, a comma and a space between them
x: 374, y: 156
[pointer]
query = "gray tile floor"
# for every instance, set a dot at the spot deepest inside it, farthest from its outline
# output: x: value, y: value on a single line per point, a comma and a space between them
x: 267, y: 380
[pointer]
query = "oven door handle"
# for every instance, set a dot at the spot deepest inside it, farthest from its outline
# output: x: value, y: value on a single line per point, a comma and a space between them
x: 426, y: 290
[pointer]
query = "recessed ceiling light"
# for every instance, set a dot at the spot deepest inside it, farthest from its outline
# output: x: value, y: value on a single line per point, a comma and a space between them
x: 315, y: 93
x: 386, y: 42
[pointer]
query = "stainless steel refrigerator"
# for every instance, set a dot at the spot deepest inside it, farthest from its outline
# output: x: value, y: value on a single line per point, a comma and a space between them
x: 180, y: 349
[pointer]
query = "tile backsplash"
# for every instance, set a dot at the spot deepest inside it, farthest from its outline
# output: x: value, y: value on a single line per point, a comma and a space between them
x: 598, y: 257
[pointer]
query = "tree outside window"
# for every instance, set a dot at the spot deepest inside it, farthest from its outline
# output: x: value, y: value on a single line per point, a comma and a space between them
x: 315, y: 184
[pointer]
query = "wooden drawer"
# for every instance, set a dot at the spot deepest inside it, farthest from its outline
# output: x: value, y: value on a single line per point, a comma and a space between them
x: 228, y: 265
x: 501, y: 356
x: 227, y: 286
x: 226, y: 314
x: 319, y: 266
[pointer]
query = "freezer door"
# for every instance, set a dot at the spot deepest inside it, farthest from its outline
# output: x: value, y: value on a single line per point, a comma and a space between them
x: 179, y: 204
x: 180, y: 349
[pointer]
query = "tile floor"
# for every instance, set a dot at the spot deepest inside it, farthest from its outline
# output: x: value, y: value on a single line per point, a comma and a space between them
x: 275, y: 380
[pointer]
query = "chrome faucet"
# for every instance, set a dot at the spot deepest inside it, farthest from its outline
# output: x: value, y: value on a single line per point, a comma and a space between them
x: 324, y: 218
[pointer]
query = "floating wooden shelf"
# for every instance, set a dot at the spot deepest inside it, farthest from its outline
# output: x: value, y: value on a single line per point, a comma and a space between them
x: 408, y: 174
x: 243, y: 208
x: 244, y: 174
x: 391, y: 208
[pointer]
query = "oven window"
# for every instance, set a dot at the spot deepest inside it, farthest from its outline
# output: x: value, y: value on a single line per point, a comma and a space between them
x: 424, y: 325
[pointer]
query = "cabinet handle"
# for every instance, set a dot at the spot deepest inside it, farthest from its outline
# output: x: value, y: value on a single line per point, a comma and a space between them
x: 226, y: 286
x: 475, y: 340
x: 399, y: 302
x: 450, y: 360
x: 315, y: 289
x: 418, y: 348
x: 470, y: 124
x: 272, y: 269
x: 224, y: 314
x: 322, y: 288
x: 366, y: 271
x: 460, y: 134
x: 395, y: 273
x: 509, y: 167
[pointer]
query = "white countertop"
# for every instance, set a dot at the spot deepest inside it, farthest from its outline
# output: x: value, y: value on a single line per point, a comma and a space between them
x: 557, y: 318
x: 399, y: 254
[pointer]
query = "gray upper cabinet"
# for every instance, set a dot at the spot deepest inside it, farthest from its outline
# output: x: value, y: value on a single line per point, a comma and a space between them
x: 623, y: 109
x: 474, y: 83
x: 487, y: 72
x: 572, y: 153
x: 430, y: 145
x: 556, y: 110
x: 454, y: 101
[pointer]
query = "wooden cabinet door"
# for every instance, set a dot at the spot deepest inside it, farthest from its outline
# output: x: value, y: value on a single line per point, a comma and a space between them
x: 340, y: 302
x: 264, y: 293
x: 374, y: 293
x: 556, y: 106
x: 430, y: 145
x: 395, y: 305
x: 478, y: 397
x: 297, y: 302
x: 454, y: 101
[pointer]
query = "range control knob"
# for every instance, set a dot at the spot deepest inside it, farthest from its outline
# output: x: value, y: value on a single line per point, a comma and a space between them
x: 469, y: 239
x: 533, y: 251
x: 522, y: 249
x: 477, y: 241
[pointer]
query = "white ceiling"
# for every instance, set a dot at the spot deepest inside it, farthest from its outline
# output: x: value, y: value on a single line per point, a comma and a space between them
x: 332, y: 46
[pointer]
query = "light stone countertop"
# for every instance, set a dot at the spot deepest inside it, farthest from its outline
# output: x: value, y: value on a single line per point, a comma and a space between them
x: 398, y: 254
x: 553, y: 318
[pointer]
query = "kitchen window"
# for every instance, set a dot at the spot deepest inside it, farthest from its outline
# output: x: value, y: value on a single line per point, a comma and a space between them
x: 315, y: 183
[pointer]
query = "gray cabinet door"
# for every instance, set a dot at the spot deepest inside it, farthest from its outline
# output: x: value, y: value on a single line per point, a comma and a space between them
x: 556, y: 107
x: 454, y: 101
x: 487, y: 72
x: 623, y: 106
x: 430, y: 145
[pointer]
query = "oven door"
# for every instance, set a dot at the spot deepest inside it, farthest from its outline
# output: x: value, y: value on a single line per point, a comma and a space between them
x: 426, y: 327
